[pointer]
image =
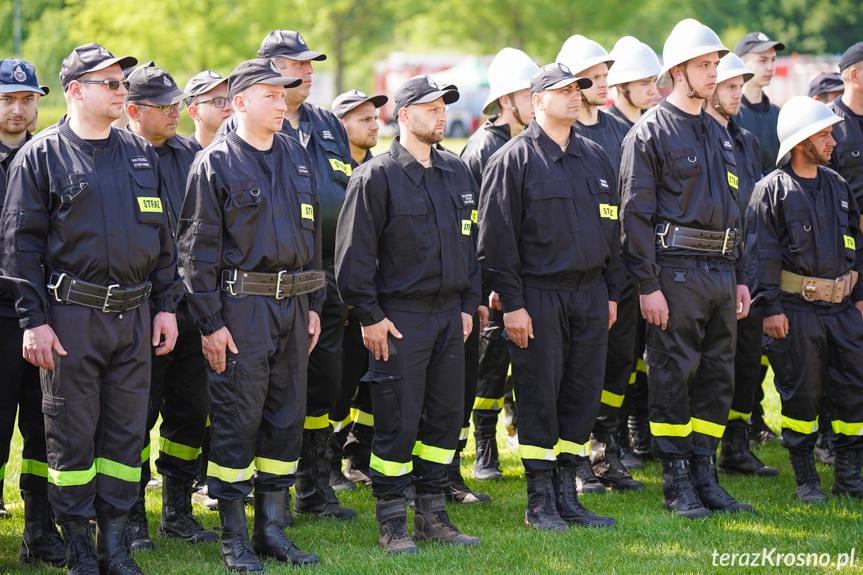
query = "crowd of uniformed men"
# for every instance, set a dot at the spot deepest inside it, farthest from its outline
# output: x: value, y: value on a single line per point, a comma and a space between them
x: 285, y: 301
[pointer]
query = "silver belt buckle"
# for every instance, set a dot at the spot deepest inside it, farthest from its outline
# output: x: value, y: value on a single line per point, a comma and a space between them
x: 279, y: 285
x: 809, y: 290
x: 661, y: 235
x: 230, y: 283
x: 55, y: 287
x: 836, y: 284
x: 108, y: 296
x: 725, y: 241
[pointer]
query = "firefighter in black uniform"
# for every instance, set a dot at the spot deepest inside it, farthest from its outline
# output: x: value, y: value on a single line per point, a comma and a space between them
x: 590, y: 60
x: 682, y: 243
x: 545, y: 194
x: 736, y: 456
x: 178, y: 386
x: 405, y: 259
x: 826, y: 87
x: 249, y: 242
x: 209, y: 105
x: 20, y: 393
x: 804, y: 240
x: 323, y: 136
x: 83, y: 203
x: 511, y: 110
x: 358, y: 113
x: 847, y: 157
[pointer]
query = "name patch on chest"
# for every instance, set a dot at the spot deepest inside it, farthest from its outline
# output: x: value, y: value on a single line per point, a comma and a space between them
x: 307, y: 211
x: 150, y: 205
x: 727, y: 145
x: 844, y: 204
x: 140, y: 163
x: 603, y: 183
x: 467, y: 199
x: 608, y: 211
x: 732, y: 180
x: 327, y: 135
x: 302, y: 169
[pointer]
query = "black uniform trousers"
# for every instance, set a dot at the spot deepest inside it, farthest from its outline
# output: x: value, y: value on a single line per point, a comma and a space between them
x: 417, y: 401
x: 492, y: 371
x: 257, y: 405
x: 821, y: 359
x: 471, y: 374
x: 355, y: 364
x: 325, y: 362
x: 620, y: 361
x: 178, y: 390
x: 95, y: 407
x: 690, y: 366
x: 558, y: 378
x: 747, y: 367
x: 20, y: 393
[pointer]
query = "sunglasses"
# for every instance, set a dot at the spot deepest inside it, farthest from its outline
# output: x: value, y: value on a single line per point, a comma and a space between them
x: 113, y: 85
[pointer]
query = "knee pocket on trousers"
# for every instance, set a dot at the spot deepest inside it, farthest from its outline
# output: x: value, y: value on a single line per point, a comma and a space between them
x: 384, y: 389
x: 54, y: 408
x: 223, y: 386
x: 781, y: 356
x: 662, y: 393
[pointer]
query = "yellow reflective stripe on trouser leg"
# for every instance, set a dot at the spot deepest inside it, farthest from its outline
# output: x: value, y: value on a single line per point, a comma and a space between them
x: 118, y: 470
x: 433, y: 454
x: 145, y: 453
x: 488, y: 403
x: 611, y: 399
x: 641, y: 366
x: 230, y: 474
x: 178, y: 450
x: 707, y: 427
x: 838, y: 427
x: 543, y: 453
x: 799, y: 425
x: 463, y: 434
x: 764, y: 361
x: 572, y: 448
x: 72, y: 478
x: 319, y: 422
x: 390, y: 468
x: 671, y: 429
x: 340, y: 425
x: 32, y: 467
x: 362, y: 417
x: 734, y: 415
x: 275, y: 466
x: 632, y: 378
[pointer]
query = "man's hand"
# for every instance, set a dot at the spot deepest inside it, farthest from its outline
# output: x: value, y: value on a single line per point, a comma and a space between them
x: 612, y: 313
x: 38, y: 344
x: 315, y: 329
x: 482, y: 312
x: 466, y: 325
x: 214, y: 345
x: 519, y: 326
x: 165, y: 324
x: 776, y: 326
x: 375, y: 338
x: 494, y: 301
x: 654, y: 308
x: 744, y: 301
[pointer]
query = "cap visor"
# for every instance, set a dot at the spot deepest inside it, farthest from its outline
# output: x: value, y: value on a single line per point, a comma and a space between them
x: 449, y: 96
x: 582, y: 83
x: 124, y: 62
x: 12, y: 88
x: 204, y: 88
x: 170, y: 98
x: 303, y: 56
x: 379, y: 100
x: 285, y: 81
x: 764, y: 46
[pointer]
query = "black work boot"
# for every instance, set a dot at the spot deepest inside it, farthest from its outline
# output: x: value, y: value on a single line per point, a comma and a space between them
x: 846, y: 473
x: 236, y: 553
x: 268, y: 537
x: 177, y: 519
x: 605, y: 458
x: 712, y: 495
x: 41, y: 541
x: 114, y: 547
x: 542, y: 510
x: 392, y: 519
x: 566, y: 495
x: 486, y: 466
x: 678, y: 492
x: 736, y: 457
x: 808, y: 481
x: 586, y: 479
x: 313, y: 491
x: 456, y: 489
x: 825, y: 454
x: 138, y: 525
x: 80, y: 550
x: 639, y: 432
x: 431, y: 523
x: 627, y: 455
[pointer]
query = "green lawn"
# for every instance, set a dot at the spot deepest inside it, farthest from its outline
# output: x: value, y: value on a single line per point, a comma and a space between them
x: 647, y: 540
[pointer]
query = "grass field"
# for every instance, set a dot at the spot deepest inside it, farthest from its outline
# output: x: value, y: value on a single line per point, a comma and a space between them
x: 647, y: 540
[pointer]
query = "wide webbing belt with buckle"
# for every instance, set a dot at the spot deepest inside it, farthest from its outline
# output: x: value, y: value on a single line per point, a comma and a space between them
x: 669, y: 235
x: 279, y: 285
x: 114, y: 298
x: 818, y: 289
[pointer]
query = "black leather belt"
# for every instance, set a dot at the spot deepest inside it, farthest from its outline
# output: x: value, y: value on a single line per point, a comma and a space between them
x: 114, y: 298
x: 279, y: 285
x: 670, y: 235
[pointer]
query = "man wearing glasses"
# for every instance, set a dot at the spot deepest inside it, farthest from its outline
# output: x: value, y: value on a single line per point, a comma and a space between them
x: 86, y: 234
x: 178, y: 381
x: 209, y: 105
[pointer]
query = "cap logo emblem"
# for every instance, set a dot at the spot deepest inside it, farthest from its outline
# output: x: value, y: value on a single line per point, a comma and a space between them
x: 300, y: 39
x: 104, y: 52
x: 763, y: 37
x: 431, y: 82
x: 213, y: 75
x: 273, y: 67
x: 564, y: 68
x: 19, y: 75
x: 166, y: 81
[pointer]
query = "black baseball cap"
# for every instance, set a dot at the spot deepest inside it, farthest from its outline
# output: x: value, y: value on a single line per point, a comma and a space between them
x: 422, y: 90
x: 826, y: 82
x: 756, y: 42
x: 130, y: 69
x: 555, y: 76
x: 851, y: 56
x: 19, y: 76
x: 154, y: 84
x: 203, y: 82
x: 90, y: 58
x: 258, y: 71
x: 288, y: 44
x: 346, y: 102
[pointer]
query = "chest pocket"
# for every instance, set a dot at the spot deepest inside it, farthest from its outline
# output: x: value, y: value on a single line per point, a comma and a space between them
x: 341, y: 171
x: 684, y: 164
x: 244, y: 194
x: 850, y: 155
x: 732, y: 174
x: 847, y: 243
x: 552, y: 209
x: 409, y: 216
x: 601, y: 190
x: 465, y: 207
x: 303, y: 186
x: 70, y: 189
x: 799, y: 224
x: 150, y: 207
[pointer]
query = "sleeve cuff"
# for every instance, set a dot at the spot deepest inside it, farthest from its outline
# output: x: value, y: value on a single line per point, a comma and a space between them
x: 649, y: 286
x: 370, y: 316
x: 210, y: 325
x: 32, y: 321
x: 469, y: 306
x: 511, y: 304
x: 166, y: 303
x: 772, y: 308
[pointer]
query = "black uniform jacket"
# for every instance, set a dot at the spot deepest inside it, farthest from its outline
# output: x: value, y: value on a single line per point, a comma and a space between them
x: 93, y: 213
x: 789, y: 229
x: 676, y: 168
x: 615, y: 111
x: 479, y: 148
x: 8, y: 293
x: 325, y: 139
x: 548, y: 217
x: 406, y: 236
x: 747, y: 153
x: 847, y: 158
x: 175, y: 160
x: 609, y: 133
x: 247, y: 210
x: 761, y: 120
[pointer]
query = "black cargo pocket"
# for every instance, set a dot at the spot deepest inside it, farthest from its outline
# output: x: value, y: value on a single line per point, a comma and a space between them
x: 465, y: 206
x: 655, y: 358
x: 71, y: 188
x: 779, y: 352
x: 244, y: 193
x: 410, y: 221
x: 56, y: 429
x: 384, y: 389
x: 150, y: 207
x: 340, y: 170
x: 799, y: 229
x: 223, y: 388
x: 303, y: 187
x: 684, y: 164
x: 553, y: 209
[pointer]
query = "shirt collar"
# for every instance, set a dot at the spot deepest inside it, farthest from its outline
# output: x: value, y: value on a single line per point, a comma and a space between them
x: 550, y: 146
x: 411, y: 166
